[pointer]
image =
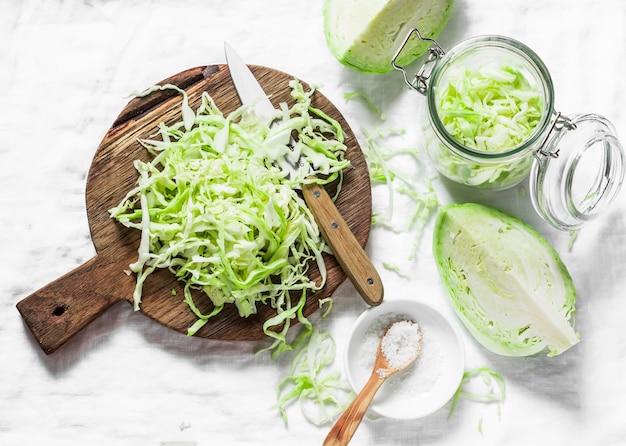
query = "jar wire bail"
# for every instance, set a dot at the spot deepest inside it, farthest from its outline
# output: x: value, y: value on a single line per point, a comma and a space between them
x: 435, y: 52
x: 559, y: 122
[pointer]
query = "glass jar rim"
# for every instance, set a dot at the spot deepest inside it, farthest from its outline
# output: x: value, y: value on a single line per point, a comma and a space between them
x: 516, y: 48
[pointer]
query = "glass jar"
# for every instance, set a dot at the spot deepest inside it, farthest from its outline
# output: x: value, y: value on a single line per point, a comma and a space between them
x: 492, y: 122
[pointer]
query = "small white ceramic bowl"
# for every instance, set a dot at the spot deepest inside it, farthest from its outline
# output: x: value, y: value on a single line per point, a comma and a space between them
x: 426, y: 385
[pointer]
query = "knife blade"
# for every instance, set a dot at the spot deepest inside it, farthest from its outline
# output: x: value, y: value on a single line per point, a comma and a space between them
x: 248, y: 88
x: 346, y: 248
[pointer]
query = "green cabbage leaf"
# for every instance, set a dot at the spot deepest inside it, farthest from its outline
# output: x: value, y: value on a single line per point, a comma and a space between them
x: 505, y: 281
x: 365, y: 34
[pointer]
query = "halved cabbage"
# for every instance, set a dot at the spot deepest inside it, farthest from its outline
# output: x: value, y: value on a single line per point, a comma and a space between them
x: 365, y: 34
x: 505, y: 281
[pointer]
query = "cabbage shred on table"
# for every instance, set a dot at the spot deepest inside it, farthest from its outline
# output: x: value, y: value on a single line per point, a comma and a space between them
x: 216, y: 206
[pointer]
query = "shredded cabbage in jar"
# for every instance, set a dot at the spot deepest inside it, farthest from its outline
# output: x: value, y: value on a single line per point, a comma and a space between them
x: 216, y: 206
x: 491, y: 108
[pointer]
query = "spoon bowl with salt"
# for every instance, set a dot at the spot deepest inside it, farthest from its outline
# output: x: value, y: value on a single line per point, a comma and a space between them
x: 399, y: 346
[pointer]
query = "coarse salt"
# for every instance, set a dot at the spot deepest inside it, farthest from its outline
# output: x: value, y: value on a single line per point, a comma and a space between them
x: 401, y: 343
x: 417, y: 379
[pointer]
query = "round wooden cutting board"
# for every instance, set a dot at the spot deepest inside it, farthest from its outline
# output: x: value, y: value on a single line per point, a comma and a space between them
x: 62, y: 308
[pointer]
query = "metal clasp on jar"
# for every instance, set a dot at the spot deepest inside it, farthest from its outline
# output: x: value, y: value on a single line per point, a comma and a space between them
x: 559, y: 122
x: 435, y: 52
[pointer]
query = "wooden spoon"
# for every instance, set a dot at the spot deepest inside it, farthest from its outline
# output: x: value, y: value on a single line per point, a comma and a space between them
x: 384, y: 367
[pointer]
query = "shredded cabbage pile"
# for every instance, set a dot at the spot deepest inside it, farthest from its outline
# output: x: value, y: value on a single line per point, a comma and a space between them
x: 216, y: 207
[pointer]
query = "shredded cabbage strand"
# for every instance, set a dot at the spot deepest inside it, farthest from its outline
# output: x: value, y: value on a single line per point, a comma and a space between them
x: 216, y: 206
x: 420, y: 192
x: 319, y: 389
x: 492, y: 391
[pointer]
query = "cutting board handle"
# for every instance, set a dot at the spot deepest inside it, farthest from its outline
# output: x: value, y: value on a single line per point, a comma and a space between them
x: 59, y: 310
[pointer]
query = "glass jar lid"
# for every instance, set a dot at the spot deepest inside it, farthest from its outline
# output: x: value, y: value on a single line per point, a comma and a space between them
x: 578, y: 172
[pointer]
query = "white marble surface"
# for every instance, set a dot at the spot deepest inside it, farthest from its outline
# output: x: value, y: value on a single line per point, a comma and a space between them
x: 66, y: 68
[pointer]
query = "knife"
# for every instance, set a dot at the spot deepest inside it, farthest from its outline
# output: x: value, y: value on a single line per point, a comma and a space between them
x: 346, y: 248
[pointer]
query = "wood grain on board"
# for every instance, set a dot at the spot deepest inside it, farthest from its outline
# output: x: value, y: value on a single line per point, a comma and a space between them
x: 59, y: 310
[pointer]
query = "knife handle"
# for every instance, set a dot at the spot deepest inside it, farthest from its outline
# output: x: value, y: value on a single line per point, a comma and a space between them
x: 346, y: 248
